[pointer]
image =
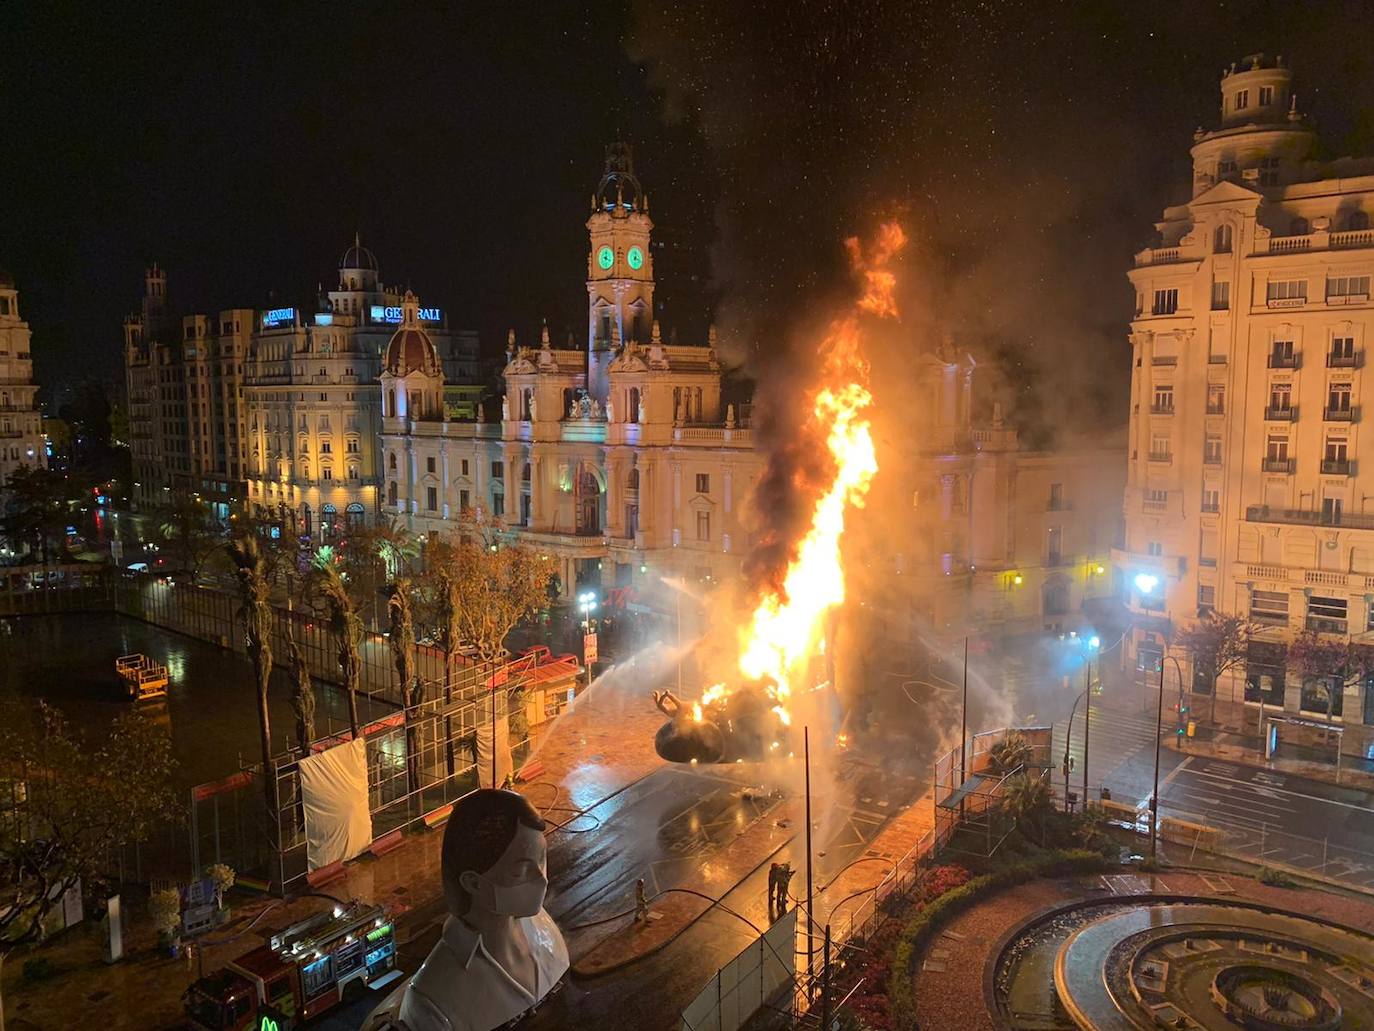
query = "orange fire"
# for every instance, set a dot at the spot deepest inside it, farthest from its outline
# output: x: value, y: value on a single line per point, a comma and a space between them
x: 787, y: 626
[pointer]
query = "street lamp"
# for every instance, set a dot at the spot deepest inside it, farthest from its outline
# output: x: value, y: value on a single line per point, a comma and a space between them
x: 586, y: 602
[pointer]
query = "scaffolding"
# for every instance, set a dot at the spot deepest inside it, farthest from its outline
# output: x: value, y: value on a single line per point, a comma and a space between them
x: 970, y: 785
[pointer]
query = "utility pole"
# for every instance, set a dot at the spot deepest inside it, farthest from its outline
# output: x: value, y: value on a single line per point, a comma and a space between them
x: 963, y: 722
x: 1087, y: 720
x: 825, y: 984
x: 1154, y: 796
x: 679, y: 641
x: 810, y: 925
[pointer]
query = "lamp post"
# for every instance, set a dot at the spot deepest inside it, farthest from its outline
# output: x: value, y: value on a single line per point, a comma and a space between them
x: 1093, y: 643
x: 1068, y: 738
x: 1154, y: 795
x: 586, y: 602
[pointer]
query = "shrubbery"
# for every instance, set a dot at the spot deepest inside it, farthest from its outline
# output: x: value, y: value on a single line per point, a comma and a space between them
x: 933, y: 914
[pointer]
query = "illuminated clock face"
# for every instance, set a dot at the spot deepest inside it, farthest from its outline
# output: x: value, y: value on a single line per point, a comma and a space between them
x: 635, y: 257
x: 605, y: 257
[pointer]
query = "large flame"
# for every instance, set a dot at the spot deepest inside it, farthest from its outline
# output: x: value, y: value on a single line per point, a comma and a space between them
x: 787, y: 625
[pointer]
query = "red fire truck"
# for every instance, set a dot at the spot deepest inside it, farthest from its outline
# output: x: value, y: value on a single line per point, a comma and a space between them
x: 299, y: 974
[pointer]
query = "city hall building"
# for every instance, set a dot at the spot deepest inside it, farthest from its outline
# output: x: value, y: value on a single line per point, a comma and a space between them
x: 1251, y: 475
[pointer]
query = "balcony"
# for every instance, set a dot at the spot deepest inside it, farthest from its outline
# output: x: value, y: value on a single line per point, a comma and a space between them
x: 1324, y: 625
x: 1336, y: 467
x: 1279, y: 360
x: 1308, y: 517
x: 1280, y: 413
x: 1216, y: 409
x: 1162, y: 457
x: 1164, y: 359
x: 1279, y: 465
x: 1211, y: 459
x: 1344, y: 361
x: 1345, y: 414
x: 1162, y: 409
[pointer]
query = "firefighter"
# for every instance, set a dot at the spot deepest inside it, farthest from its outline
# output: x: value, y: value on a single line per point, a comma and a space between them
x: 784, y: 879
x: 641, y: 902
x: 773, y: 870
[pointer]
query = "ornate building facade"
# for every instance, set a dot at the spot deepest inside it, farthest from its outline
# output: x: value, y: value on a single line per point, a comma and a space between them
x: 21, y: 423
x: 275, y: 409
x: 617, y: 459
x: 1247, y: 490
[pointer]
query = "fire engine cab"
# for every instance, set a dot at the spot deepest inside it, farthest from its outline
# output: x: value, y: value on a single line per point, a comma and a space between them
x: 299, y: 974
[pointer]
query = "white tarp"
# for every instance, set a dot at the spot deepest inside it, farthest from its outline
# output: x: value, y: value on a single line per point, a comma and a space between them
x: 338, y: 825
x: 484, y: 728
x: 743, y: 985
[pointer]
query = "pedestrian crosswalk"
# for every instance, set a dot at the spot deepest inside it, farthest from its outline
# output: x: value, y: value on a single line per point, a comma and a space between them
x: 1120, y: 751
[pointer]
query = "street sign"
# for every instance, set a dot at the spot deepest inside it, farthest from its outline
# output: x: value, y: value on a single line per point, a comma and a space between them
x: 589, y: 648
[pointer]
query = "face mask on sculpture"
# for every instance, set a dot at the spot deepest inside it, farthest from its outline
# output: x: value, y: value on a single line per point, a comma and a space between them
x: 523, y: 899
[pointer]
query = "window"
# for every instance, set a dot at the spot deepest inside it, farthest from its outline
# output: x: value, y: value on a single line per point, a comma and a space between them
x: 1299, y: 227
x: 1056, y: 497
x: 703, y: 483
x: 1331, y: 511
x: 1287, y: 290
x: 1156, y: 499
x: 1206, y: 596
x: 632, y: 480
x: 1269, y: 607
x: 351, y: 445
x: 1161, y: 448
x: 1221, y: 295
x: 391, y: 461
x: 498, y: 505
x: 391, y: 494
x: 1347, y: 286
x: 1054, y: 546
x: 1211, y: 500
x: 1280, y: 397
x: 1211, y: 451
x: 1338, y: 399
x: 1269, y: 171
x: 498, y: 471
x: 1216, y: 399
x: 327, y: 473
x: 1221, y: 240
x: 326, y: 447
x: 1276, y: 449
x: 1226, y: 166
x: 1281, y: 355
x: 1336, y: 449
x: 464, y: 502
x: 1342, y: 352
x: 525, y: 509
x: 1265, y: 663
x: 429, y: 465
x: 1326, y: 614
x: 352, y: 472
x: 1266, y: 96
x: 432, y: 498
x: 703, y: 526
x: 464, y: 466
x: 1166, y: 302
x: 1164, y: 399
x: 1242, y: 100
x: 1155, y: 548
x: 1356, y: 221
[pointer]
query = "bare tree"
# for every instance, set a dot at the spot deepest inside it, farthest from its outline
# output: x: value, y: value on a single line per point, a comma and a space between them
x: 1216, y: 644
x: 71, y: 803
x: 496, y: 588
x: 1328, y: 664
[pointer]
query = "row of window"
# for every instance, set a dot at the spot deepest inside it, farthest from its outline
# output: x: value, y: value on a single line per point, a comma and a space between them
x: 1278, y: 292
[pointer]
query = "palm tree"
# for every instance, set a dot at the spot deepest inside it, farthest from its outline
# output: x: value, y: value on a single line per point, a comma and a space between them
x: 1011, y: 753
x: 1027, y: 799
x: 302, y: 692
x: 448, y: 604
x: 402, y: 639
x: 345, y: 625
x: 256, y: 609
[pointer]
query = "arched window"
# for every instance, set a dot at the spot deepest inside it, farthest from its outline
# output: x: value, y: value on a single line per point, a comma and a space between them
x: 1299, y: 227
x: 526, y: 400
x: 390, y: 412
x: 354, y: 516
x: 307, y: 524
x: 1356, y: 221
x: 391, y: 461
x: 632, y: 412
x: 391, y: 493
x: 329, y: 520
x: 632, y: 481
x: 1056, y: 599
x: 525, y: 473
x: 1221, y: 240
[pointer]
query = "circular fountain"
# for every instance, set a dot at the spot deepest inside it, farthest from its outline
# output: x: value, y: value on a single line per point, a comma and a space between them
x: 1169, y: 962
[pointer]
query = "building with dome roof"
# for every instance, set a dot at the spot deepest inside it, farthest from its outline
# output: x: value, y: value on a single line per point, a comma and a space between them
x: 277, y: 410
x: 21, y: 423
x: 1249, y: 490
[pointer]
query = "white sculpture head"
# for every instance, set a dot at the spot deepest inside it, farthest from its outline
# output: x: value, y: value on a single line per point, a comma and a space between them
x: 494, y: 856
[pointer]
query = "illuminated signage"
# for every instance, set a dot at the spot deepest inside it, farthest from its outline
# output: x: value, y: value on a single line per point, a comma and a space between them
x: 277, y: 316
x: 380, y: 932
x: 381, y: 313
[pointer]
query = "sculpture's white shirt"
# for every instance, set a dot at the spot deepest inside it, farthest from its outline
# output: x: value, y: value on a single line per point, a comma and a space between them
x: 461, y: 987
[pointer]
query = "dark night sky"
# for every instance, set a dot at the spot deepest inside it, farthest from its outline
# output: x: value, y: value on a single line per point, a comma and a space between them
x: 1029, y: 146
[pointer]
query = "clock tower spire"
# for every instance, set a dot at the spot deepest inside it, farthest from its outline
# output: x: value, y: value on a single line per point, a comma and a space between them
x: 620, y: 270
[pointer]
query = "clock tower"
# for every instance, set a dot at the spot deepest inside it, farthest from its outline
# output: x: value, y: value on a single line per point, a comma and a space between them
x: 620, y: 269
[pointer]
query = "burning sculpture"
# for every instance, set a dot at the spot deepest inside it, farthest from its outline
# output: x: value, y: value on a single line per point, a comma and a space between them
x: 785, y: 630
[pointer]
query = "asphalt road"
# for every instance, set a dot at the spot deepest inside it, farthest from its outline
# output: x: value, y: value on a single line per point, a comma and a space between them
x: 670, y: 828
x: 1277, y: 817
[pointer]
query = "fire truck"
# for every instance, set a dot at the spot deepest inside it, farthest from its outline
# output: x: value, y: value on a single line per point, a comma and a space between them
x: 300, y: 973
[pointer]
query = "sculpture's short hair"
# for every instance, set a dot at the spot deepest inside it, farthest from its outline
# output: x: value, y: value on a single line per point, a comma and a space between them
x: 481, y: 828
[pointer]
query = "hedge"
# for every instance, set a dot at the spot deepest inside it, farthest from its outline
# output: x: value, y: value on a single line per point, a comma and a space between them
x: 922, y: 927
